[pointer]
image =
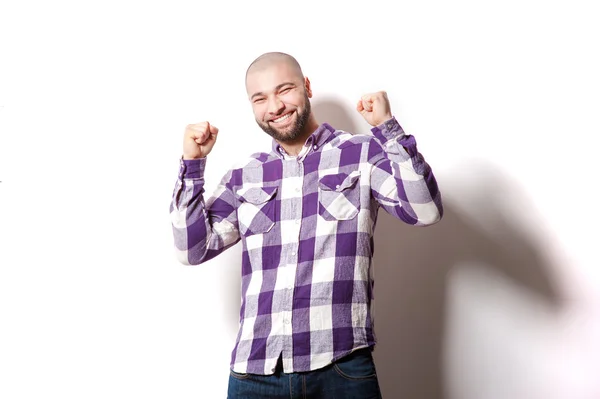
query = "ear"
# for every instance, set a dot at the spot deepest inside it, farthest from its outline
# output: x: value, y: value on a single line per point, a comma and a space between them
x: 307, y: 87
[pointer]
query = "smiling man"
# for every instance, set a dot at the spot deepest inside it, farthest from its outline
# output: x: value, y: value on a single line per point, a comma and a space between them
x: 290, y: 117
x: 305, y: 213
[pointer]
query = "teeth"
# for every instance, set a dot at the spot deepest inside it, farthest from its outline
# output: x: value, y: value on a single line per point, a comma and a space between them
x: 282, y: 118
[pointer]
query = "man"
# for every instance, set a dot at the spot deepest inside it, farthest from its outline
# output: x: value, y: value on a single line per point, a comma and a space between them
x: 305, y: 213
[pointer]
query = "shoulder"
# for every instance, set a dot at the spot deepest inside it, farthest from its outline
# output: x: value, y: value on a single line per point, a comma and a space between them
x: 253, y: 161
x: 250, y: 168
x: 345, y: 139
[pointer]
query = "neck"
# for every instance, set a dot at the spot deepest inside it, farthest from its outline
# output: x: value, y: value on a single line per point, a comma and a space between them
x: 293, y: 148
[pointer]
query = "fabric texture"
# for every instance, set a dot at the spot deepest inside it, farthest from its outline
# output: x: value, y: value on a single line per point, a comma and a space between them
x: 352, y: 377
x: 306, y: 225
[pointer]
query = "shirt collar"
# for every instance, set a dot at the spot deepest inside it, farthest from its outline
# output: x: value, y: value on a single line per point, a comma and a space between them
x: 313, y: 143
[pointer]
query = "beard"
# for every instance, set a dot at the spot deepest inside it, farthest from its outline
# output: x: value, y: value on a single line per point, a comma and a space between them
x: 294, y: 131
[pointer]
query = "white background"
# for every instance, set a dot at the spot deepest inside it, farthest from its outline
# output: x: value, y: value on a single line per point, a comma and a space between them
x: 500, y: 300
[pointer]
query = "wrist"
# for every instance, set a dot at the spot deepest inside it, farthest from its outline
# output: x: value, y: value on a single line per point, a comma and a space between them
x: 192, y: 168
x: 389, y: 129
x: 384, y: 119
x: 189, y: 158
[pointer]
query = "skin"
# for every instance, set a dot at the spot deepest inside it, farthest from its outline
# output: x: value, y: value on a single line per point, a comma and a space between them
x: 277, y: 88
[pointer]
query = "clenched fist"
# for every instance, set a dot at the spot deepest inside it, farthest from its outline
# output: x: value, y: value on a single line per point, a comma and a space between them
x: 375, y: 108
x: 198, y: 140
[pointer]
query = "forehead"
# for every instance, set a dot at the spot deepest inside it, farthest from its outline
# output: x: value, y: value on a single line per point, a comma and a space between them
x: 264, y: 78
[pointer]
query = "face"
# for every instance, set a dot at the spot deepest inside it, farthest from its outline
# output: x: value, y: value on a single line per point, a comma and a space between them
x: 280, y: 101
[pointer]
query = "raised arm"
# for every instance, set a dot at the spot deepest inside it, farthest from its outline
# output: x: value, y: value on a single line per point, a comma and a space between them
x: 201, y: 229
x: 401, y: 181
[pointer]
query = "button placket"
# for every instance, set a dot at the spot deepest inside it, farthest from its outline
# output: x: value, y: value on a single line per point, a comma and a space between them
x: 297, y: 216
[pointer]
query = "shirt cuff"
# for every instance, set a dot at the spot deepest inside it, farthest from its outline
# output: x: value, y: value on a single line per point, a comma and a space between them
x: 192, y: 168
x: 388, y: 130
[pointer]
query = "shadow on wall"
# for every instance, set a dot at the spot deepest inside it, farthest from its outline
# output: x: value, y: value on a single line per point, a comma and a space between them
x: 411, y: 271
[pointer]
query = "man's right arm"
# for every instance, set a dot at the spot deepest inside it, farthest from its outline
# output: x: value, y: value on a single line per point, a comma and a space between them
x: 202, y: 230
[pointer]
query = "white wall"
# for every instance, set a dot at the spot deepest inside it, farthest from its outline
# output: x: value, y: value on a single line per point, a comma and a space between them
x: 499, y: 300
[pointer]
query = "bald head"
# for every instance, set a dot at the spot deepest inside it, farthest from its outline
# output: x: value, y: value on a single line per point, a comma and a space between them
x: 269, y: 60
x: 279, y: 94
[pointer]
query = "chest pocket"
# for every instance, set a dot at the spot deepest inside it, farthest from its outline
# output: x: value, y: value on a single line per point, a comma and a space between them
x: 339, y: 196
x: 256, y: 213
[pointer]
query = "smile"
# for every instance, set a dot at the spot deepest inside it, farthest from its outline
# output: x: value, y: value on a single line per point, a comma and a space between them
x: 283, y: 118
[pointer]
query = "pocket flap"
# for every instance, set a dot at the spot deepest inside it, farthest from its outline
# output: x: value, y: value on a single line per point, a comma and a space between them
x: 339, y: 182
x: 257, y: 195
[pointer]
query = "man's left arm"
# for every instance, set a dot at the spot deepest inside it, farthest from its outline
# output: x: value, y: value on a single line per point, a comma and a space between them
x: 401, y: 180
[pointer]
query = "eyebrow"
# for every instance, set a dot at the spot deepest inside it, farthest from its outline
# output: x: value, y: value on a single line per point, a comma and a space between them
x: 277, y: 88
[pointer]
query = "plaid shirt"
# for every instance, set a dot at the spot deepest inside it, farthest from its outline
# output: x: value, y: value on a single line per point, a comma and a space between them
x: 306, y: 224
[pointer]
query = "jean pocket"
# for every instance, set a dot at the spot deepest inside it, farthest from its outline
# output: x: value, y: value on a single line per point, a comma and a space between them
x: 339, y: 196
x: 257, y: 211
x: 239, y: 376
x: 358, y: 365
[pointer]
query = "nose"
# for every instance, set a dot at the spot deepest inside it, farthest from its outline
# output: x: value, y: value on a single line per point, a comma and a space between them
x: 275, y: 105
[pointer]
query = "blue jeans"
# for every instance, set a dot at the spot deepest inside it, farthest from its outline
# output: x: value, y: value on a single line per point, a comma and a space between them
x: 352, y: 377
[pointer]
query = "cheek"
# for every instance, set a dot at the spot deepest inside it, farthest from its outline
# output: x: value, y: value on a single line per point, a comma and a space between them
x: 294, y: 101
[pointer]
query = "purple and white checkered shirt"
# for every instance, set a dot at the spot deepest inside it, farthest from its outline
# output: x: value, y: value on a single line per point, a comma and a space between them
x: 306, y: 224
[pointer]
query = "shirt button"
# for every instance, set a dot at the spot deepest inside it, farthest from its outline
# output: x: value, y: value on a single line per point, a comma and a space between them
x: 286, y: 321
x: 297, y: 221
x: 298, y: 189
x: 337, y: 186
x: 315, y: 147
